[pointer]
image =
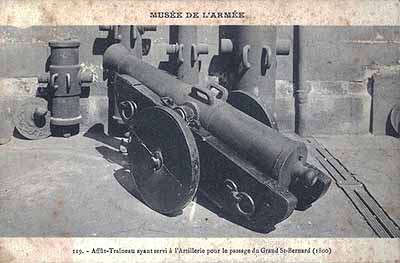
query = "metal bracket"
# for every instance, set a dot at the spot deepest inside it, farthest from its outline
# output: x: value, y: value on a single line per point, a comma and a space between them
x: 266, y: 58
x: 245, y: 57
x: 196, y: 50
x: 239, y: 198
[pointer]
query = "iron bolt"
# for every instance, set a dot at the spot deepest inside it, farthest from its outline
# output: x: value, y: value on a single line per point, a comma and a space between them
x: 123, y: 146
x: 157, y: 160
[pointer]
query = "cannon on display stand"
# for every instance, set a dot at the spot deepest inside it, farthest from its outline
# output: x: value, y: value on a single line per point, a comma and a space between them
x: 58, y: 112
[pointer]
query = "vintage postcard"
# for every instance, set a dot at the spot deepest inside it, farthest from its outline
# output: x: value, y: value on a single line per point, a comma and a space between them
x: 199, y: 131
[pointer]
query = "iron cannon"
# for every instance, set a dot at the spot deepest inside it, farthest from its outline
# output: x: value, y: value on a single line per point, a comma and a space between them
x: 187, y: 139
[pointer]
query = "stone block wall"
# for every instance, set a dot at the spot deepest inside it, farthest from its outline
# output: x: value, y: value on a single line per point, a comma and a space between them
x: 341, y: 63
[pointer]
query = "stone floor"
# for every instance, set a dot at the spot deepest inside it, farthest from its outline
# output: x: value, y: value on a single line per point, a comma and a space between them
x: 79, y: 187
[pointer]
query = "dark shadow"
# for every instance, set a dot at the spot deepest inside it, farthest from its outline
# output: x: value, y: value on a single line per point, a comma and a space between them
x: 264, y: 60
x: 370, y: 90
x: 296, y: 76
x: 126, y: 180
x: 123, y: 175
x: 100, y: 45
x: 17, y: 135
x: 390, y: 130
x: 43, y: 92
x: 64, y: 131
x: 296, y: 57
x: 221, y: 66
x: 217, y: 66
x: 146, y: 46
x: 96, y: 132
x: 47, y: 65
x: 113, y: 156
x: 85, y: 91
x: 168, y: 66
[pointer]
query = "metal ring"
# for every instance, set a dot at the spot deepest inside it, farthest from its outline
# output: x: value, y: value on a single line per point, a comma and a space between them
x: 68, y: 79
x: 266, y: 52
x: 53, y: 81
x: 245, y: 56
x: 193, y: 53
x: 180, y: 53
x: 241, y: 196
x: 181, y: 112
x: 132, y: 107
x: 231, y: 185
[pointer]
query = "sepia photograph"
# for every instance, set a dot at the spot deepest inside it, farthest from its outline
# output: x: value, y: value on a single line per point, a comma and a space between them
x: 200, y: 131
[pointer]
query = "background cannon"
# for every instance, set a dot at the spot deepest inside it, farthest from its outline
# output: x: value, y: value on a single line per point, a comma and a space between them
x: 65, y: 81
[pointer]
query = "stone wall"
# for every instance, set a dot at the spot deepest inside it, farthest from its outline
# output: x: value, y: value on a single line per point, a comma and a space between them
x: 341, y: 63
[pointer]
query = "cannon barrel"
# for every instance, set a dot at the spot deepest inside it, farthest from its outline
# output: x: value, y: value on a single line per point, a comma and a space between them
x: 278, y: 156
